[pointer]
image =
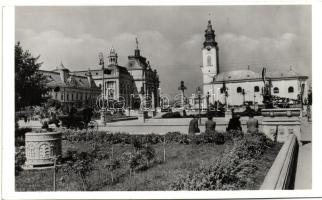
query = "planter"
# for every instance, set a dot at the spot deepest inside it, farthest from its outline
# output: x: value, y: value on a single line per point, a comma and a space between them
x: 42, y: 149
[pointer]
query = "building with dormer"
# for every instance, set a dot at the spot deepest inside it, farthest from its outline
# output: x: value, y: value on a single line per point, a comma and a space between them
x: 69, y: 88
x: 244, y: 85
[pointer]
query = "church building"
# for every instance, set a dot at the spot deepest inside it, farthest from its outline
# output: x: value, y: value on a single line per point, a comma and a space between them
x: 244, y: 85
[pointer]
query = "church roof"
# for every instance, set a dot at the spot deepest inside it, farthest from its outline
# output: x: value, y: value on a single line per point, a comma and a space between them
x: 54, y: 79
x: 239, y: 75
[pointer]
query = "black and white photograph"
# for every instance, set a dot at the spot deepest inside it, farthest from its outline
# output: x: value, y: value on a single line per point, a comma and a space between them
x: 120, y: 98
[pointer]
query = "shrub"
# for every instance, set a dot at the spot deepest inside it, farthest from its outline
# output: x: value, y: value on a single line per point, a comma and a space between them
x: 230, y: 172
x: 80, y: 164
x: 138, y: 140
x: 20, y: 159
x: 20, y: 136
x: 171, y: 115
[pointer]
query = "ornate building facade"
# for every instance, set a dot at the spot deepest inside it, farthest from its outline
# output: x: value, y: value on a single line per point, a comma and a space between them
x: 71, y: 89
x: 118, y: 82
x: 244, y: 85
x: 146, y: 79
x: 128, y: 83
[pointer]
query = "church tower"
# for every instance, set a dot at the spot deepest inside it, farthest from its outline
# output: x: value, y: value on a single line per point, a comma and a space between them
x: 210, y: 64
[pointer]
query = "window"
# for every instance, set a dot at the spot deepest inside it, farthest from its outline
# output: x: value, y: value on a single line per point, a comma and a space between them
x: 276, y: 90
x: 72, y: 97
x: 239, y: 90
x: 67, y: 97
x: 256, y: 89
x: 290, y: 89
x: 209, y: 60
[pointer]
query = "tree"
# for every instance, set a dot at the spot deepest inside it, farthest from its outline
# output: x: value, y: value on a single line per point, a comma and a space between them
x: 30, y: 85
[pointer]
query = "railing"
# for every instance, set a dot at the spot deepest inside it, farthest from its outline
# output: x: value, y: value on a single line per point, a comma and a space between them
x: 281, y: 174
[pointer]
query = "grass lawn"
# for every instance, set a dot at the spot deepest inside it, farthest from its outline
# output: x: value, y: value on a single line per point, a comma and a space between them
x: 180, y: 159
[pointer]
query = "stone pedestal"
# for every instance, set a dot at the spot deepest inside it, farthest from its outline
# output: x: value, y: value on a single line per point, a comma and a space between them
x: 158, y: 109
x: 279, y: 123
x: 42, y: 149
x: 228, y: 114
x: 103, y: 117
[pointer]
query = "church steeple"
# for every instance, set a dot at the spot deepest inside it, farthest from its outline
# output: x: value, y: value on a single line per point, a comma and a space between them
x: 210, y: 58
x: 209, y: 36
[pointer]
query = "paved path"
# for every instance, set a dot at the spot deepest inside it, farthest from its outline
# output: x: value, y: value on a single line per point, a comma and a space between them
x: 163, y: 126
x: 303, y: 178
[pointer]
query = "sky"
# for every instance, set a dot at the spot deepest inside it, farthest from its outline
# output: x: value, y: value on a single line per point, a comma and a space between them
x: 170, y: 37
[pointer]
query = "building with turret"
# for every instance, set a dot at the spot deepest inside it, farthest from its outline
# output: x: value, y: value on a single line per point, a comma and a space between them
x: 244, y: 85
x: 146, y: 79
x: 136, y: 78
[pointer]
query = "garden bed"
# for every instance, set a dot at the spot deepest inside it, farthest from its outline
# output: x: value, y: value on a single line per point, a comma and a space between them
x: 180, y: 159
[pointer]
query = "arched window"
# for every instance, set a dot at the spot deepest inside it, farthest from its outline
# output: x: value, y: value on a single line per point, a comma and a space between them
x: 209, y: 60
x: 290, y: 89
x: 256, y: 89
x: 239, y: 90
x: 276, y: 90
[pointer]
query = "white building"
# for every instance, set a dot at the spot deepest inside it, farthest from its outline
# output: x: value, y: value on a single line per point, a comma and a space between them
x: 244, y: 85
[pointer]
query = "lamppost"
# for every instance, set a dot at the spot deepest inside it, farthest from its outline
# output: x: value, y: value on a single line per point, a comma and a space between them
x: 182, y: 88
x: 243, y: 93
x: 159, y: 97
x: 254, y: 100
x: 208, y: 95
x: 199, y: 101
x: 225, y: 90
x: 142, y: 107
x: 101, y: 62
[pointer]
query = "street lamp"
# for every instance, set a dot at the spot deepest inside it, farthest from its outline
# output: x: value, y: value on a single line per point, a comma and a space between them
x: 208, y: 95
x: 101, y: 62
x: 199, y: 101
x: 254, y: 100
x: 243, y: 93
x: 225, y: 90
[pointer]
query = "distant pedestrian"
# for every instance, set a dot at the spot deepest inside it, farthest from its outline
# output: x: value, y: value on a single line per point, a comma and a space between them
x: 193, y: 126
x: 234, y: 124
x: 252, y: 124
x: 210, y: 125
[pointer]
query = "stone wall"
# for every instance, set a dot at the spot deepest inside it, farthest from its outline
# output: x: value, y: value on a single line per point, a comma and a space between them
x: 282, y: 173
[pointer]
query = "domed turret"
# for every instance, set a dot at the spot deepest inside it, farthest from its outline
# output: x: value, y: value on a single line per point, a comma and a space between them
x: 209, y: 36
x: 113, y: 56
